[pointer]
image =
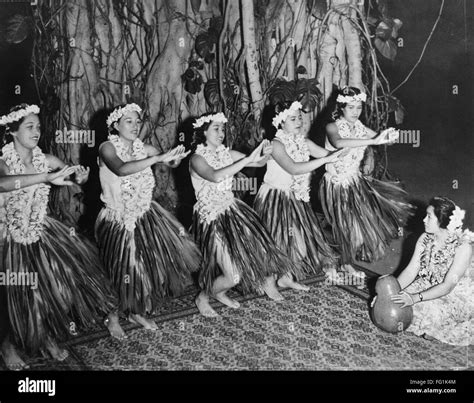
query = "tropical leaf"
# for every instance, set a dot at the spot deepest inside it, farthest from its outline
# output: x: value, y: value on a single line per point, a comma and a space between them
x: 211, y: 92
x: 308, y: 93
x: 282, y: 91
x: 204, y: 44
x: 18, y: 28
x: 387, y: 49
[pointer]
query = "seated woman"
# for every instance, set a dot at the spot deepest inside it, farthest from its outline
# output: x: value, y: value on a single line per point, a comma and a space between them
x: 436, y: 281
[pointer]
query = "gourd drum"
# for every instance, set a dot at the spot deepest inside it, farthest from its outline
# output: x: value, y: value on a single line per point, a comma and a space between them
x: 386, y: 314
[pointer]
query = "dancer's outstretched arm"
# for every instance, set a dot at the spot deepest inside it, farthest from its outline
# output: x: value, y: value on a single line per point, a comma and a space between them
x: 316, y: 151
x: 153, y: 151
x: 266, y: 155
x: 81, y: 172
x: 298, y: 168
x: 337, y: 141
x: 203, y: 169
x: 120, y: 168
x: 9, y: 183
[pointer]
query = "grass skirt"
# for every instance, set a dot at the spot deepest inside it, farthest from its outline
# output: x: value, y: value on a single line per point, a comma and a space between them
x: 295, y: 228
x: 364, y: 216
x: 70, y: 293
x: 238, y: 238
x: 153, y: 261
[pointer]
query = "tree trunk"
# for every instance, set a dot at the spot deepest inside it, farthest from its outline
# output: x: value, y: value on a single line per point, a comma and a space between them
x: 251, y: 57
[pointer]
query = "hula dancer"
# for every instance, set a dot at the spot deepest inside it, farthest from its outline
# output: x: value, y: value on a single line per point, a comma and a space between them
x: 364, y: 213
x: 437, y: 281
x: 55, y: 282
x: 145, y: 250
x: 235, y: 245
x: 283, y: 199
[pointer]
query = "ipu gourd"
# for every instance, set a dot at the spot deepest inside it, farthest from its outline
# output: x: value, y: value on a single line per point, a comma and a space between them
x: 386, y: 314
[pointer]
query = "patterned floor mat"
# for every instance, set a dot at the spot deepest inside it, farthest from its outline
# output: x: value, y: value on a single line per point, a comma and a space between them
x: 326, y: 328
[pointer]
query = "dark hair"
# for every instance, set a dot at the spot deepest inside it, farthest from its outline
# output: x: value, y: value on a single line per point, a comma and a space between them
x: 14, y: 126
x: 443, y: 208
x: 339, y: 106
x: 198, y: 136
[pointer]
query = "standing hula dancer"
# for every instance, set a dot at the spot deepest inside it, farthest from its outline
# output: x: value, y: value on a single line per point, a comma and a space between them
x: 283, y: 199
x: 63, y: 288
x: 145, y: 250
x: 235, y: 245
x: 365, y: 213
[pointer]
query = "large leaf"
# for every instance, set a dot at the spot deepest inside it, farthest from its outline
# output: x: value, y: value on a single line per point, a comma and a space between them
x: 307, y: 92
x: 204, y: 44
x: 282, y: 91
x: 211, y: 92
x: 18, y: 28
x: 384, y: 30
x: 387, y: 49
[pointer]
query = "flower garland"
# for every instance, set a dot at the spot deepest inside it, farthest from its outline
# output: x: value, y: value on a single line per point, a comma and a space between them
x: 119, y: 112
x: 217, y: 117
x: 297, y: 148
x: 19, y: 114
x: 456, y: 219
x: 345, y: 99
x: 136, y: 189
x: 214, y: 198
x: 26, y: 208
x: 281, y: 117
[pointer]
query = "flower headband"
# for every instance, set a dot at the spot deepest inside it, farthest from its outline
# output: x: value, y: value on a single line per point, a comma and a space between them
x: 19, y: 114
x: 281, y: 117
x: 119, y: 112
x: 351, y: 98
x: 455, y: 220
x: 217, y: 117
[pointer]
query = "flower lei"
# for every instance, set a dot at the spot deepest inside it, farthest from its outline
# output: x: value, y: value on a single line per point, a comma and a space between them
x: 19, y: 114
x: 456, y: 219
x: 217, y: 117
x: 214, y: 198
x: 345, y: 99
x: 433, y: 267
x: 298, y: 150
x: 26, y: 208
x: 136, y: 189
x: 281, y: 117
x: 119, y: 112
x: 348, y: 167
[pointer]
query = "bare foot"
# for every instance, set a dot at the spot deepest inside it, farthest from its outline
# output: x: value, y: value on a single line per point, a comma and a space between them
x: 288, y: 282
x: 59, y: 354
x: 148, y: 324
x: 116, y: 331
x: 11, y: 358
x: 202, y: 303
x: 224, y: 299
x: 270, y: 289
